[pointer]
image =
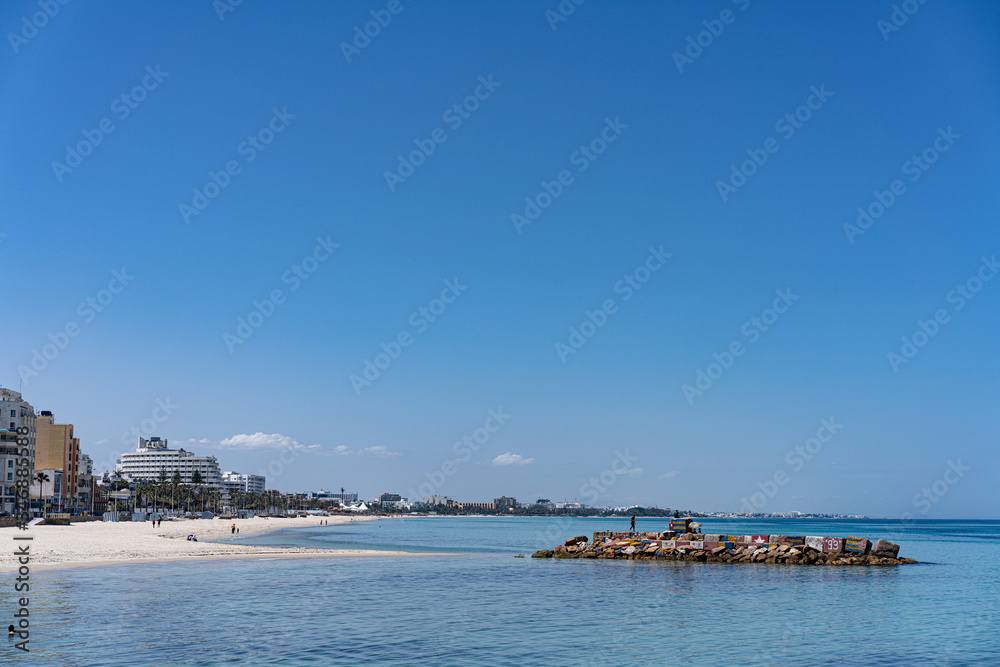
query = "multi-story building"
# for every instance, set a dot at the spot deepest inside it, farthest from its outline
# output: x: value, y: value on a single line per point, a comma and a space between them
x: 437, y: 500
x: 153, y: 460
x: 57, y: 449
x: 15, y: 413
x: 343, y: 497
x: 505, y: 503
x: 244, y: 483
x: 479, y: 507
x: 85, y: 484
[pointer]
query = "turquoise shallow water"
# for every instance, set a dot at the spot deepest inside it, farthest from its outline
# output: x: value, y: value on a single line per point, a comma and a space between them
x: 491, y: 608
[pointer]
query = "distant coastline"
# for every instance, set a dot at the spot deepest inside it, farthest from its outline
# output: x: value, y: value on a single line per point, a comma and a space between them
x: 638, y: 512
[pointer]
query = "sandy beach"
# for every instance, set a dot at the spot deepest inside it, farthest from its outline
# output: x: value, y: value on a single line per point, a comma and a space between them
x: 99, y: 543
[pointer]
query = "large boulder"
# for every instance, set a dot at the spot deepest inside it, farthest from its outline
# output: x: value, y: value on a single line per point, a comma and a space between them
x: 576, y: 540
x: 542, y: 553
x: 885, y: 548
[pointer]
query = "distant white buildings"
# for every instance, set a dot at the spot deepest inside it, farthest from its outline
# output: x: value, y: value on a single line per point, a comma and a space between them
x: 343, y: 497
x: 244, y: 483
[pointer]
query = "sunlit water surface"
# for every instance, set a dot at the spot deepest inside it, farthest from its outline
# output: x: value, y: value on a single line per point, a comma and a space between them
x: 487, y: 607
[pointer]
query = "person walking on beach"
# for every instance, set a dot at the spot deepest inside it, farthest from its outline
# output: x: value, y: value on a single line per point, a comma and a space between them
x: 632, y: 527
x: 233, y: 531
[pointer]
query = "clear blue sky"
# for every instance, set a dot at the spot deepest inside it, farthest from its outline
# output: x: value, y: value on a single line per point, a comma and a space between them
x: 676, y: 132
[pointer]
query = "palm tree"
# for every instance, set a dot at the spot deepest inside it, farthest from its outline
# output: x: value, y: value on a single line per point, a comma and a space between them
x: 196, y: 480
x: 213, y: 497
x: 235, y: 498
x: 174, y: 483
x: 140, y: 494
x: 41, y: 478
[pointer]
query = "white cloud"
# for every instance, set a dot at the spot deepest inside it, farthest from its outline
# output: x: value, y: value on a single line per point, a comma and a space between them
x: 264, y: 441
x: 509, y: 459
x: 633, y: 472
x: 258, y: 441
x: 376, y: 451
x: 670, y: 475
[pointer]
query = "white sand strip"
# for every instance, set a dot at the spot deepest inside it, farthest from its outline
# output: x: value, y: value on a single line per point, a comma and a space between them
x: 100, y: 543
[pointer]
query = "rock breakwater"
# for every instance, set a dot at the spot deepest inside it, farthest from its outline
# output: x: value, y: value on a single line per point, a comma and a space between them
x: 785, y: 549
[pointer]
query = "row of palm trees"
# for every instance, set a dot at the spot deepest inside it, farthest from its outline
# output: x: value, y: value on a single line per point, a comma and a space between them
x: 170, y: 493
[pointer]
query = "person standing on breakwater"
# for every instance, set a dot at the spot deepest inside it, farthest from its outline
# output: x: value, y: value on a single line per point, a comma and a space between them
x: 632, y: 527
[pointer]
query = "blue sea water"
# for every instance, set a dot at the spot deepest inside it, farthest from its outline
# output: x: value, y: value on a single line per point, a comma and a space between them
x: 487, y: 607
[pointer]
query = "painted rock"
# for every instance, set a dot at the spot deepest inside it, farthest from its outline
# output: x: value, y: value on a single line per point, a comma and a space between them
x: 833, y: 545
x: 814, y: 542
x: 886, y: 549
x: 858, y: 545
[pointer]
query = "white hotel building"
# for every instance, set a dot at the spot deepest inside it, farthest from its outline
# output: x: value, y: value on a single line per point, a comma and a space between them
x: 152, y: 457
x: 244, y: 483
